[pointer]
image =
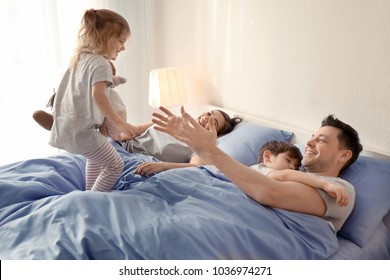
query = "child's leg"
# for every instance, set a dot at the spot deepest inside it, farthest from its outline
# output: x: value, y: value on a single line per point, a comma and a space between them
x: 92, y: 171
x: 105, y: 165
x: 109, y: 129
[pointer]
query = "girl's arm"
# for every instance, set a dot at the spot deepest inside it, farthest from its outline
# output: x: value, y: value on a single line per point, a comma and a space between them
x: 334, y: 190
x: 105, y: 106
x: 141, y: 128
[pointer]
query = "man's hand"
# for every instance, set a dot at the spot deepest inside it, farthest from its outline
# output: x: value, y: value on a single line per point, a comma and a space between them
x: 186, y: 129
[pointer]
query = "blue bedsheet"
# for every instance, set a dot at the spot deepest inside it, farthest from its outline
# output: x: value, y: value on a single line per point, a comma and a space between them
x: 191, y: 213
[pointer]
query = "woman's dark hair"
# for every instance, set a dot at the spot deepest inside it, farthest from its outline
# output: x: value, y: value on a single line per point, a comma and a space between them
x: 348, y: 137
x: 230, y: 123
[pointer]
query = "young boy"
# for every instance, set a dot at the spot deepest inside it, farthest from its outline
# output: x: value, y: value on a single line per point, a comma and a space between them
x: 286, y: 158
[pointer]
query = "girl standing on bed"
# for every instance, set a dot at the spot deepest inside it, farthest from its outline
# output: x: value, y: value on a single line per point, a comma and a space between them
x: 82, y: 102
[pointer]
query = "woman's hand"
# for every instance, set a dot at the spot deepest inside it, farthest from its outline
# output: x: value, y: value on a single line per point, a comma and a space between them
x: 149, y: 168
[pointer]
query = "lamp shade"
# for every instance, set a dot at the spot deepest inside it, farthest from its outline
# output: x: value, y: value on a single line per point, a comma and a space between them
x: 166, y: 88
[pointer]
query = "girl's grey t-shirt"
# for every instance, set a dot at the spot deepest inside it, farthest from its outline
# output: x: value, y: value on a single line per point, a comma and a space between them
x: 76, y: 115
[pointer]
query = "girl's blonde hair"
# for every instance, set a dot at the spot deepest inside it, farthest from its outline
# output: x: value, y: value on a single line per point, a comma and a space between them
x: 97, y: 28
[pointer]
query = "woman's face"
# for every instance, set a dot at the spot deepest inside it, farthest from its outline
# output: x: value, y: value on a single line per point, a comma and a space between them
x: 219, y: 120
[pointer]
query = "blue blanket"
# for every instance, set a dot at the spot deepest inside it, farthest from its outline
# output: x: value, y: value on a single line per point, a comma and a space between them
x: 190, y: 213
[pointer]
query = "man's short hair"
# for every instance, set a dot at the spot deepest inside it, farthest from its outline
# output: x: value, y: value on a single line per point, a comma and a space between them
x: 348, y: 137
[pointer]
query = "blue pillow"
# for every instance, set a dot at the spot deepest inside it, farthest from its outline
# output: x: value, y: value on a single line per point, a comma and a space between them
x: 371, y: 179
x: 244, y: 142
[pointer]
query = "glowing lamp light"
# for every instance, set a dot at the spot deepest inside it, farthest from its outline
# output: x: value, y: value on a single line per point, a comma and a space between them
x: 166, y: 88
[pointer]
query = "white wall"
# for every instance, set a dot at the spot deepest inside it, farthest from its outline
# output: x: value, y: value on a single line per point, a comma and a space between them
x: 287, y: 61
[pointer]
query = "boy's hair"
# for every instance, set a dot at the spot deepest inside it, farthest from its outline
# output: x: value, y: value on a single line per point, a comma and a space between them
x: 97, y: 27
x: 230, y: 123
x: 277, y: 147
x: 348, y: 138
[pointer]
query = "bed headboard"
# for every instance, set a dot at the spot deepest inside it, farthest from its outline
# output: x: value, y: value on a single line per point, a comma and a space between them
x: 300, y: 135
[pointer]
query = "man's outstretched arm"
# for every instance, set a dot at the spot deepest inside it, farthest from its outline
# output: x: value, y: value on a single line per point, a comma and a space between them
x: 286, y: 195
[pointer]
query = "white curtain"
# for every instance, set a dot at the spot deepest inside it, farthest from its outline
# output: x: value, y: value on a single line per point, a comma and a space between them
x: 38, y: 39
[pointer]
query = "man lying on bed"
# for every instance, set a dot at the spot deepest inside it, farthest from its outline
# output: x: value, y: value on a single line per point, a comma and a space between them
x: 332, y: 148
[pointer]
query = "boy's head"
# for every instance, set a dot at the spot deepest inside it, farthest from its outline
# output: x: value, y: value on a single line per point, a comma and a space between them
x: 280, y: 155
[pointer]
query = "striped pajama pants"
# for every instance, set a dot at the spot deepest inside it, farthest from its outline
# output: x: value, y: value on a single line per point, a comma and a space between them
x: 104, y: 166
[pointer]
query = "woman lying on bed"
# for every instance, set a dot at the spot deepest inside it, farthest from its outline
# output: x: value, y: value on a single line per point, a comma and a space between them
x: 170, y: 152
x: 331, y: 149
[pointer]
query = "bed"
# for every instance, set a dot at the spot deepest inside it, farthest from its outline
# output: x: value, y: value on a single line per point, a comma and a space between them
x: 191, y: 213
